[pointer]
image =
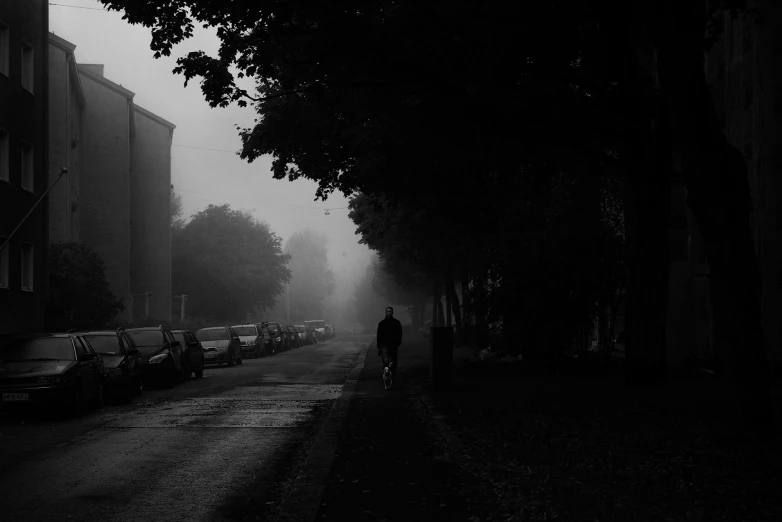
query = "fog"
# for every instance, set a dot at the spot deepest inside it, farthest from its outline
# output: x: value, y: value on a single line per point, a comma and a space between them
x: 204, y: 167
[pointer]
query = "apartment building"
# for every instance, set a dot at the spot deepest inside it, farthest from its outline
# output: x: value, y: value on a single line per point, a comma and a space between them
x: 117, y: 196
x: 24, y: 29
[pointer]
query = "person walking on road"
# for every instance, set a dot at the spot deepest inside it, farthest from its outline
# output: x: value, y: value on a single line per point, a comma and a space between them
x: 389, y: 337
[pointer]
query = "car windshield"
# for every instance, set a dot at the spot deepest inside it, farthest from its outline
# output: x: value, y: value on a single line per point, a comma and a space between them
x: 105, y: 344
x: 245, y: 330
x: 147, y: 338
x: 37, y: 349
x: 212, y: 334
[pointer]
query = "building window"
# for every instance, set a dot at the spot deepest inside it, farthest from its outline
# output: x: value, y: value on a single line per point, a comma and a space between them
x: 26, y: 167
x: 3, y: 49
x: 4, y: 169
x: 4, y: 263
x: 28, y: 66
x: 27, y: 266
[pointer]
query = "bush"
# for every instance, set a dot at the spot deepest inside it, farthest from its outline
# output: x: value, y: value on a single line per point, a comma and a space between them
x: 80, y: 294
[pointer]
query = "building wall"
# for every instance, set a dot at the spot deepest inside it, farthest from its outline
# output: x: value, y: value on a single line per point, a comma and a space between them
x: 105, y: 180
x: 66, y: 103
x: 75, y: 154
x: 23, y: 115
x: 150, y: 231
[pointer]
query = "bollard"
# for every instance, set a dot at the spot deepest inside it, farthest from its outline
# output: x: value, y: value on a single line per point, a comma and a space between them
x: 441, y: 357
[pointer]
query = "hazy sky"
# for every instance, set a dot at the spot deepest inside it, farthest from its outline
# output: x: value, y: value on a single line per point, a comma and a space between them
x: 203, y: 176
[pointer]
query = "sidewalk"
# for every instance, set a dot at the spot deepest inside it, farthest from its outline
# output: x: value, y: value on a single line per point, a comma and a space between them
x: 389, y: 465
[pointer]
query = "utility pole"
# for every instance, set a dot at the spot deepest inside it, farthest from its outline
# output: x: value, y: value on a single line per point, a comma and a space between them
x: 288, y: 295
x: 183, y: 298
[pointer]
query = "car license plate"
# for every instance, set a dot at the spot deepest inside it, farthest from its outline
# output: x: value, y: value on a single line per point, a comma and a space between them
x: 16, y: 397
x: 210, y: 355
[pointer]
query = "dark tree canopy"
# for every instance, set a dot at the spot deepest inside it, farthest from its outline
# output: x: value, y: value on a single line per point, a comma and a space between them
x: 228, y: 263
x: 80, y: 294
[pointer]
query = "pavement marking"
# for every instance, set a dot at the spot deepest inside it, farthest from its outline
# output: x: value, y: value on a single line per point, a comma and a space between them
x: 303, y: 500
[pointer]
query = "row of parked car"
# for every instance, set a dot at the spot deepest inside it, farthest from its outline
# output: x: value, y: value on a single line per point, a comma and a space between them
x: 74, y: 368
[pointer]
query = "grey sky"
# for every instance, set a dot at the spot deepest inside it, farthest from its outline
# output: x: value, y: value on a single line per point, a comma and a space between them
x: 203, y: 176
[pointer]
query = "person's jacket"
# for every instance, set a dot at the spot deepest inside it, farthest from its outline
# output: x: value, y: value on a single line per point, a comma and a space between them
x: 389, y: 333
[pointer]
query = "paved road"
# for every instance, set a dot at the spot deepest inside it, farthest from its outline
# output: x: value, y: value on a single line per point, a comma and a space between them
x: 217, y: 448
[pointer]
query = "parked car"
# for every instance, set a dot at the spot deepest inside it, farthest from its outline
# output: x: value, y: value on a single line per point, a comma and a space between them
x: 252, y: 339
x: 269, y: 344
x: 194, y: 352
x: 50, y: 369
x: 282, y: 340
x: 221, y: 345
x: 302, y: 331
x: 121, y: 360
x: 162, y: 356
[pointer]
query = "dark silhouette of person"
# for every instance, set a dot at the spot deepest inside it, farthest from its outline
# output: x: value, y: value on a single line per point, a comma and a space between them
x: 389, y: 337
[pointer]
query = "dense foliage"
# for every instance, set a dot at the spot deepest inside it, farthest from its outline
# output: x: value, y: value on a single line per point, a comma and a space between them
x: 80, y: 293
x: 228, y: 264
x: 481, y: 138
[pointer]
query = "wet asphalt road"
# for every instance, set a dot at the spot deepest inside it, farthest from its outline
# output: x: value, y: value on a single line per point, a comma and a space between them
x: 217, y: 448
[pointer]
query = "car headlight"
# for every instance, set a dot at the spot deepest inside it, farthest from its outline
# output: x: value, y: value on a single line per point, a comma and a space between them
x: 159, y: 357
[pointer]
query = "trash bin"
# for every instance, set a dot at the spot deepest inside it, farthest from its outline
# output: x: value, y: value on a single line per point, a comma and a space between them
x: 441, y: 357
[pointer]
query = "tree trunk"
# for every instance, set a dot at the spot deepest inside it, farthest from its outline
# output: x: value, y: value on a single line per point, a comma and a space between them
x: 435, y: 300
x: 455, y: 306
x: 647, y: 208
x: 447, y: 281
x: 467, y: 329
x: 481, y: 338
x: 719, y: 197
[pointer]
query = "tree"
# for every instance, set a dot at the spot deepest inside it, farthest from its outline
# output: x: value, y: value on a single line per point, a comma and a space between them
x: 228, y: 263
x: 177, y: 221
x: 312, y: 281
x: 366, y: 302
x: 80, y: 294
x: 715, y: 174
x: 487, y: 117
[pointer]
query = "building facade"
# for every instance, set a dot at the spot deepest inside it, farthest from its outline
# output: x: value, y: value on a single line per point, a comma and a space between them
x: 118, y: 199
x: 24, y: 29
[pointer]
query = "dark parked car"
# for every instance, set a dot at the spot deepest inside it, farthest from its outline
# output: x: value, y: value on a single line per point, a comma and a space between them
x: 280, y: 337
x: 221, y: 345
x: 194, y: 352
x: 251, y: 337
x: 50, y: 369
x: 161, y: 354
x: 121, y: 359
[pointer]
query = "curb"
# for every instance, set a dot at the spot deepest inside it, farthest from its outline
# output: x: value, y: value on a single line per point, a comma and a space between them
x: 303, y: 499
